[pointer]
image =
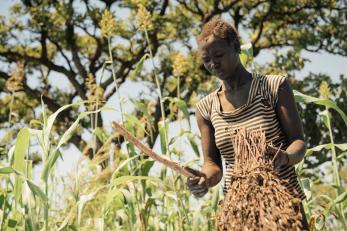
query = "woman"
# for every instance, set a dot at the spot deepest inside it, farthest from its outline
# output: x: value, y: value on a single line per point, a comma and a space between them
x: 243, y: 99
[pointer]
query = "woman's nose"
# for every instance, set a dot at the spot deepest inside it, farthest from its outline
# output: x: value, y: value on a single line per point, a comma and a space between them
x: 214, y: 65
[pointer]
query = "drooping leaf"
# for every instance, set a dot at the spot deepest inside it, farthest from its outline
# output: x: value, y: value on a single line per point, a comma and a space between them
x: 341, y: 198
x: 139, y: 65
x: 193, y: 144
x: 342, y: 147
x: 182, y: 105
x: 64, y: 138
x: 51, y: 119
x: 37, y: 191
x: 300, y: 97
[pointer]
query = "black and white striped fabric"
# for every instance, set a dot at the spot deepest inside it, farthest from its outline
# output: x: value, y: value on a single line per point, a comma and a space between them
x: 257, y: 113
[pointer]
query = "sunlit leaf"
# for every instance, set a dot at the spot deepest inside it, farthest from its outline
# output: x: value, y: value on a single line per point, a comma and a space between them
x: 139, y: 65
x: 163, y: 131
x: 6, y: 170
x: 64, y: 138
x: 300, y: 97
x: 126, y: 179
x: 307, y: 188
x: 36, y: 190
x: 341, y: 198
x: 20, y: 150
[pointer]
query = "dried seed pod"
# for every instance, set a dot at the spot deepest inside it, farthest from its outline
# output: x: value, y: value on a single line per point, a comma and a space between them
x: 256, y: 198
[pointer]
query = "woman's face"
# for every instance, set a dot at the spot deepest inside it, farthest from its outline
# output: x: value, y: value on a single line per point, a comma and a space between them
x: 218, y: 57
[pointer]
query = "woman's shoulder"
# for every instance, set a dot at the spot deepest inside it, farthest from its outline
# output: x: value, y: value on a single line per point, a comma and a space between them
x: 204, y: 105
x: 270, y: 84
x: 272, y: 80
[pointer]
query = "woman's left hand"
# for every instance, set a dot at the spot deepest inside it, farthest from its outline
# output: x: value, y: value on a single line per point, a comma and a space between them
x: 282, y: 158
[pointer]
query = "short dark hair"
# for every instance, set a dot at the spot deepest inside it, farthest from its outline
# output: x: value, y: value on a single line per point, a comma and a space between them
x: 221, y: 29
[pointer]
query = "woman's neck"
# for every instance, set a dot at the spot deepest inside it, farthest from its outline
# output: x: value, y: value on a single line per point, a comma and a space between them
x: 236, y: 80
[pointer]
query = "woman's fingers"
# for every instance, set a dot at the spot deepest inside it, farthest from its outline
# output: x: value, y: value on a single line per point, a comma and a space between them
x: 197, y: 185
x: 199, y: 192
x: 202, y: 181
x: 192, y: 180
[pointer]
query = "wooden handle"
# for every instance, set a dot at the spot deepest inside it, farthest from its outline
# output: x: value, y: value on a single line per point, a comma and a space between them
x: 184, y: 170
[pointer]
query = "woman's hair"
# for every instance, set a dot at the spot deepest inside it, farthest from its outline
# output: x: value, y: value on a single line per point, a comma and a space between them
x: 221, y: 29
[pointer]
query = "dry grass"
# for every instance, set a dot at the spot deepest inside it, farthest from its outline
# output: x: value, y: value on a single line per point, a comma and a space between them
x: 256, y: 198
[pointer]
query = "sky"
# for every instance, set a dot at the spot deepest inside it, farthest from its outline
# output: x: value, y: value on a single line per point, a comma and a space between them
x: 320, y: 62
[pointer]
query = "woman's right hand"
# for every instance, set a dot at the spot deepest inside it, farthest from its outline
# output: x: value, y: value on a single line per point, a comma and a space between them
x: 197, y: 185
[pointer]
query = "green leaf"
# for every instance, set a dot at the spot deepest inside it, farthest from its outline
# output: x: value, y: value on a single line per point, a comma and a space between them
x: 171, y: 195
x: 38, y: 134
x: 300, y: 97
x: 2, y: 200
x: 215, y: 199
x: 12, y: 223
x: 162, y: 135
x: 140, y: 106
x: 318, y: 148
x: 341, y: 156
x: 248, y: 49
x: 307, y: 188
x: 82, y: 201
x: 139, y: 65
x: 134, y: 122
x: 246, y: 54
x: 2, y: 83
x: 146, y: 166
x: 125, y: 179
x: 127, y: 195
x: 48, y: 165
x: 326, y: 118
x: 114, y: 199
x: 243, y: 59
x: 37, y: 191
x: 182, y: 105
x: 51, y: 119
x: 124, y: 163
x: 193, y: 144
x: 341, y: 198
x: 196, y: 220
x: 6, y: 170
x: 101, y: 134
x: 20, y: 150
x: 171, y: 84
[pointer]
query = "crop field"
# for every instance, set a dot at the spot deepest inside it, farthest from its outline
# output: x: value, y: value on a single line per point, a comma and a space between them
x: 70, y: 68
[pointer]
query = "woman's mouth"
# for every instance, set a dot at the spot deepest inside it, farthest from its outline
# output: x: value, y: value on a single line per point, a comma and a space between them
x: 218, y: 72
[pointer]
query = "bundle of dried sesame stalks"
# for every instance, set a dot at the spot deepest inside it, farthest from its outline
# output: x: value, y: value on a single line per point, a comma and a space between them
x: 256, y: 198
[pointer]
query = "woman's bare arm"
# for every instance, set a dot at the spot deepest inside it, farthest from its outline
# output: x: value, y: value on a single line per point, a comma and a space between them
x: 212, y: 166
x: 290, y: 123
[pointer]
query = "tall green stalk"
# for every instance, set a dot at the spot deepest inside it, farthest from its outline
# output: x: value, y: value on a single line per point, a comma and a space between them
x: 46, y: 207
x: 336, y: 175
x: 159, y: 93
x: 163, y: 118
x: 116, y: 85
x: 3, y: 217
x: 11, y: 106
x: 114, y: 76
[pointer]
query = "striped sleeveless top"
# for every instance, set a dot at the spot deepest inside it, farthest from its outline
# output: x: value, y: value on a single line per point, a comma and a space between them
x: 258, y: 112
